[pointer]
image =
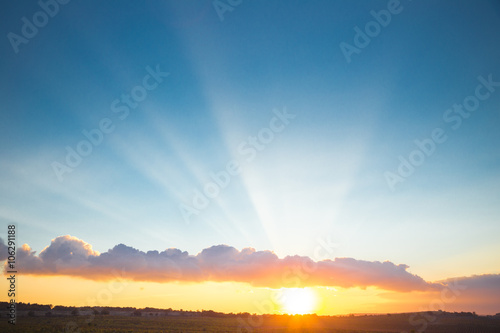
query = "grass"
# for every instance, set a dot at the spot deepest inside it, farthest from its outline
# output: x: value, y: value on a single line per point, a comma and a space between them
x: 171, y: 324
x: 124, y: 324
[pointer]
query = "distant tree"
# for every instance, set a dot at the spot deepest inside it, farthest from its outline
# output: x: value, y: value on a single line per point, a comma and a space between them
x: 137, y: 313
x: 48, y: 314
x: 75, y: 312
x: 105, y: 312
x: 31, y: 313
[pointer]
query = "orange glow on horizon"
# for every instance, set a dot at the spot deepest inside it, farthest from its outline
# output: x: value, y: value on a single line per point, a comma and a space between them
x: 224, y: 297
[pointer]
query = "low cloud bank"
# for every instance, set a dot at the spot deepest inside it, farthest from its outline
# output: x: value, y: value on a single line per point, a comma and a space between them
x: 70, y: 256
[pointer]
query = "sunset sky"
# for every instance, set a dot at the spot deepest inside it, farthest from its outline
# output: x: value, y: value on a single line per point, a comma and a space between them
x: 201, y: 155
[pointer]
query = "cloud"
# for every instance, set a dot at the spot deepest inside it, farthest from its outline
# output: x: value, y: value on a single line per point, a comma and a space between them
x: 478, y: 282
x: 479, y: 293
x: 67, y: 255
x: 3, y: 250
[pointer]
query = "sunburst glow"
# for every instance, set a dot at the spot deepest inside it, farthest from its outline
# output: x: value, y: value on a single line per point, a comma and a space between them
x: 299, y: 301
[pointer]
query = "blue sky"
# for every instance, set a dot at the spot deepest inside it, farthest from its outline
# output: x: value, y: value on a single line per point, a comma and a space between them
x: 322, y: 175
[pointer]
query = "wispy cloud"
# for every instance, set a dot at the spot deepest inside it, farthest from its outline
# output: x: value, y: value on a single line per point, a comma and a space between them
x: 68, y: 255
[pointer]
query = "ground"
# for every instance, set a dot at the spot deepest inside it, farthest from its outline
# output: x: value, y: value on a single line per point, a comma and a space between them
x: 152, y: 323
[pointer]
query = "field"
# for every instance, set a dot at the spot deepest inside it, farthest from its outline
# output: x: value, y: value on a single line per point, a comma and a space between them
x: 150, y: 324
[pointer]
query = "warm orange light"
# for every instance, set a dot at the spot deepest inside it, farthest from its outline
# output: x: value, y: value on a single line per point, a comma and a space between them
x: 298, y: 300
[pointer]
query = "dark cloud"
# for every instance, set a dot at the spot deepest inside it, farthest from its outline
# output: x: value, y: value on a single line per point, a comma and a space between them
x: 484, y: 281
x: 479, y: 293
x: 67, y: 255
x: 483, y: 288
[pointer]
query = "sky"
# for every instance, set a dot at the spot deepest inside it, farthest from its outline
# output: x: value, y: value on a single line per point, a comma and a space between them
x: 205, y: 154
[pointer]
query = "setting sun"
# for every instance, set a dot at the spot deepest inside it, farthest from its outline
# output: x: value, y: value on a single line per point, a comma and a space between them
x: 298, y: 301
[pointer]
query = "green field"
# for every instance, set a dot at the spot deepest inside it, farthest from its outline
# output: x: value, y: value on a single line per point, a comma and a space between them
x: 130, y: 324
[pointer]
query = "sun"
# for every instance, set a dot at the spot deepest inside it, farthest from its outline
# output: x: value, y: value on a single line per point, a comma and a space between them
x: 298, y: 300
